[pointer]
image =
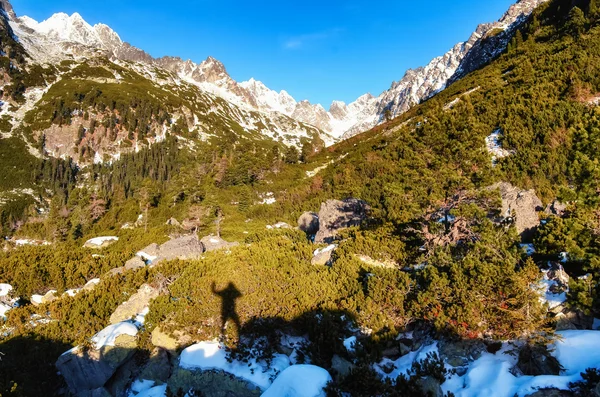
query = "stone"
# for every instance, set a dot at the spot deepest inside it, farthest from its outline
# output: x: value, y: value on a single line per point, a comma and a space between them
x: 158, y: 368
x: 211, y: 383
x: 135, y: 263
x: 556, y: 208
x: 535, y: 360
x: 85, y: 370
x: 184, y: 248
x: 524, y: 203
x: 163, y: 341
x: 341, y: 366
x: 135, y: 304
x: 309, y: 223
x: 173, y: 222
x: 336, y: 215
x: 214, y: 243
x: 557, y: 273
x: 460, y: 353
x: 431, y: 387
x: 323, y: 256
x: 49, y: 297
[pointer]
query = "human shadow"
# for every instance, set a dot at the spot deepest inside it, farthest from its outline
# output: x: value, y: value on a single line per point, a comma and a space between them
x: 228, y: 297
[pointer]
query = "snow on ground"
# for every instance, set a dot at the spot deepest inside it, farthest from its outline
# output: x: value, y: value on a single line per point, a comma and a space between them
x: 492, y: 142
x: 157, y: 391
x: 350, y: 343
x: 98, y: 241
x: 3, y: 309
x: 404, y: 363
x: 299, y: 381
x: 267, y: 198
x: 5, y: 289
x: 146, y: 257
x: 212, y: 355
x: 25, y: 241
x: 109, y: 335
x: 490, y: 374
x: 528, y: 248
x: 546, y: 295
x: 141, y: 386
x: 320, y: 251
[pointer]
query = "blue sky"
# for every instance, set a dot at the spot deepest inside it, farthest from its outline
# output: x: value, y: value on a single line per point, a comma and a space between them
x: 319, y: 50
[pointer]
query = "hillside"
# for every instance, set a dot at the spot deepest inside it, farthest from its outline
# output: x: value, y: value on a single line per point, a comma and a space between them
x: 453, y: 250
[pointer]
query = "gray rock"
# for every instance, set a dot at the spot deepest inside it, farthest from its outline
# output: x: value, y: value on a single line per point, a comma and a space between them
x: 173, y: 222
x: 309, y: 223
x: 460, y: 353
x: 431, y: 387
x: 536, y: 360
x: 158, y: 368
x: 336, y: 215
x: 322, y: 256
x: 135, y: 263
x: 214, y: 243
x: 556, y: 208
x: 85, y: 370
x: 341, y: 366
x: 187, y: 247
x: 524, y: 204
x: 135, y: 304
x: 211, y: 383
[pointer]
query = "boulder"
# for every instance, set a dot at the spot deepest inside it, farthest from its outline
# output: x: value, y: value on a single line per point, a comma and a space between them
x: 573, y: 319
x: 322, y: 256
x: 460, y: 353
x: 556, y: 208
x: 558, y: 274
x: 309, y: 223
x: 431, y: 387
x: 524, y: 204
x: 341, y: 366
x: 173, y: 222
x: 536, y: 360
x: 135, y: 304
x: 186, y: 247
x: 134, y: 263
x: 86, y: 370
x: 49, y: 297
x: 214, y: 243
x: 212, y: 383
x: 158, y: 368
x: 336, y: 215
x: 388, y: 264
x: 163, y: 341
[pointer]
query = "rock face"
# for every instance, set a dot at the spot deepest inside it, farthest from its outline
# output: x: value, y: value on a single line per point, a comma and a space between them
x: 525, y: 205
x: 335, y: 215
x: 322, y: 256
x: 135, y: 304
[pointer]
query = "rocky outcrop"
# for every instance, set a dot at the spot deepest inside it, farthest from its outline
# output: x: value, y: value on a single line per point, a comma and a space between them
x: 523, y: 204
x: 336, y: 215
x: 214, y: 243
x: 135, y: 304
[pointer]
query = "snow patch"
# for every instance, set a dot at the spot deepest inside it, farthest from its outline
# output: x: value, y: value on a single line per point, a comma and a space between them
x: 212, y: 355
x: 299, y: 381
x: 109, y: 335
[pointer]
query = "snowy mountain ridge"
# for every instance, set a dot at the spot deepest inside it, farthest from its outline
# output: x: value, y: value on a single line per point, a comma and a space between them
x: 62, y: 35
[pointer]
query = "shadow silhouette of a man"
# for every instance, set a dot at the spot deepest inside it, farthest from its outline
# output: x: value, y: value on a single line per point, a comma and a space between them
x: 228, y: 312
